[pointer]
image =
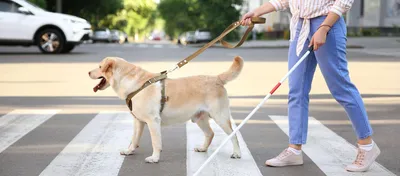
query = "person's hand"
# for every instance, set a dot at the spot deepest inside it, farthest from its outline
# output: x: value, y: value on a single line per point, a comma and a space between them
x: 319, y: 37
x: 246, y: 19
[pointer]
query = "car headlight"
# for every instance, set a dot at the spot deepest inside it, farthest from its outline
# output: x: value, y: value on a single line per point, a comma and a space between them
x: 70, y: 20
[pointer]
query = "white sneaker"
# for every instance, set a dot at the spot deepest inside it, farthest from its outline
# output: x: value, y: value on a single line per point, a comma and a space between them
x: 286, y: 158
x: 364, y: 159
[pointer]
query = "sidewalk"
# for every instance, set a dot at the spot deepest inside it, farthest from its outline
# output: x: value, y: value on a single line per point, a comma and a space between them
x: 352, y: 42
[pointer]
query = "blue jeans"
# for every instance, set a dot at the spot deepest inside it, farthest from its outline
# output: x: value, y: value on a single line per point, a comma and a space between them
x: 332, y: 61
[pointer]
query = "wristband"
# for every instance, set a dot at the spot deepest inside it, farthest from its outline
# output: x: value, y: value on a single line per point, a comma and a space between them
x: 330, y: 27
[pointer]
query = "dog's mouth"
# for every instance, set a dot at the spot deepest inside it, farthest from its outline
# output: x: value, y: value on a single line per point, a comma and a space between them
x: 101, y: 84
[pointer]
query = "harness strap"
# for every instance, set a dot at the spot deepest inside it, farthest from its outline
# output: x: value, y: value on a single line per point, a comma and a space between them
x: 164, y: 98
x: 160, y: 77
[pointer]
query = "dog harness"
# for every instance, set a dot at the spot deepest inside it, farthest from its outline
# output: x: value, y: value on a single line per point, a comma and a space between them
x: 164, y: 98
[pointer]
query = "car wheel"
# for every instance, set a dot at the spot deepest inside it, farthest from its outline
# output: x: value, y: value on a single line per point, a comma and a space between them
x: 68, y: 48
x: 50, y: 41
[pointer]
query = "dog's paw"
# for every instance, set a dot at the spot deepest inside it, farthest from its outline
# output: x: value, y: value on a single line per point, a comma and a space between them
x: 127, y: 152
x: 152, y: 159
x: 200, y: 149
x: 235, y: 156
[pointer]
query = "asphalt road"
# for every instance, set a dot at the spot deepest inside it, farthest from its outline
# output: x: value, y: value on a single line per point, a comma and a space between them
x: 51, y: 122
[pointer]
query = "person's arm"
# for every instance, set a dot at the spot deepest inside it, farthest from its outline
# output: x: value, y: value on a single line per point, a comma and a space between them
x: 336, y: 11
x: 271, y: 6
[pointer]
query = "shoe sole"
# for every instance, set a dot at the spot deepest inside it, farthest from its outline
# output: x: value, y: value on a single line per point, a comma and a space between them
x: 282, y: 165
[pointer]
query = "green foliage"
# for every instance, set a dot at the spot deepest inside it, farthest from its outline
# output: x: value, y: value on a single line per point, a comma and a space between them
x: 92, y: 10
x: 187, y: 15
x: 180, y: 16
x: 218, y: 14
x: 137, y: 17
x: 370, y: 32
x: 40, y: 3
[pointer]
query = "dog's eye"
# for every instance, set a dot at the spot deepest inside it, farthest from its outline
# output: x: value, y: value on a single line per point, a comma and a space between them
x: 99, y: 66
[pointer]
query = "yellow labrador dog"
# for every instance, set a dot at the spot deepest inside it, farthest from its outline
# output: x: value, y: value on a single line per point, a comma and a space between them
x: 198, y: 98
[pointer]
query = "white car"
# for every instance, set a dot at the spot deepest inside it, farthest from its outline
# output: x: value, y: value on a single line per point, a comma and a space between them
x: 198, y: 36
x: 202, y: 35
x: 23, y: 23
x: 102, y: 35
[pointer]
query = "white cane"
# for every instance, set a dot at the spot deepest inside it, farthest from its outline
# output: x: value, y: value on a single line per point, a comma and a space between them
x: 254, y: 110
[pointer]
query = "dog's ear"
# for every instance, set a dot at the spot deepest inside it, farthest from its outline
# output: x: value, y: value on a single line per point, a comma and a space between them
x: 107, y: 65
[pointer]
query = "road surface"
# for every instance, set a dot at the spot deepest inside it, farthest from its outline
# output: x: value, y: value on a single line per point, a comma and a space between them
x: 52, y: 123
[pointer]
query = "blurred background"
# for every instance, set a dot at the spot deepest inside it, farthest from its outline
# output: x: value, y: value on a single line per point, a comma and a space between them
x: 193, y: 21
x: 171, y: 18
x: 52, y: 122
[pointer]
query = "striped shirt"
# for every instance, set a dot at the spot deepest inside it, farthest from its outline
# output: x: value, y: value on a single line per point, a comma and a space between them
x: 308, y: 9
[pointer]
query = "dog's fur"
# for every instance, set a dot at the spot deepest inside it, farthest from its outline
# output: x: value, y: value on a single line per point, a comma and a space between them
x: 196, y: 97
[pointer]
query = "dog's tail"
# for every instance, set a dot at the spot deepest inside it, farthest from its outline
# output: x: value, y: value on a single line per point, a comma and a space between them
x: 233, y: 71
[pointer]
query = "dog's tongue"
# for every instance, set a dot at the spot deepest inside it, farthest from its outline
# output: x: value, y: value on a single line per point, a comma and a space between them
x: 95, y: 88
x: 99, y: 85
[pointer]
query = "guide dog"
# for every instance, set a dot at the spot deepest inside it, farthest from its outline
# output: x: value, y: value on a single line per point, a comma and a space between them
x: 198, y: 98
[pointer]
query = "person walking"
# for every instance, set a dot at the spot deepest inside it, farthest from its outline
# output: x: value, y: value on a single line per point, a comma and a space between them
x: 319, y: 24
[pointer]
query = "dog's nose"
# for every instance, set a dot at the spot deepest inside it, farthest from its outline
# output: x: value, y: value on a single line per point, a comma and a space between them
x: 89, y: 73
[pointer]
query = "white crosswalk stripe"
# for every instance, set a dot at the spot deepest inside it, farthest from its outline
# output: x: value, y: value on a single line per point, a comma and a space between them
x: 143, y: 45
x: 94, y: 151
x: 18, y: 123
x: 173, y: 46
x: 158, y: 46
x: 222, y: 164
x: 330, y: 152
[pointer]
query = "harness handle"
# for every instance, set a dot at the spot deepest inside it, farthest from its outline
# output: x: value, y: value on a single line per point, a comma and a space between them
x: 254, y: 20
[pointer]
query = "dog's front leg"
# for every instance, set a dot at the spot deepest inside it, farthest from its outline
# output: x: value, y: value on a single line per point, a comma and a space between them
x: 155, y: 132
x: 137, y: 134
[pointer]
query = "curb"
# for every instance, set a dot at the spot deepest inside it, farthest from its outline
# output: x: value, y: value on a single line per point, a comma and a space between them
x: 266, y: 47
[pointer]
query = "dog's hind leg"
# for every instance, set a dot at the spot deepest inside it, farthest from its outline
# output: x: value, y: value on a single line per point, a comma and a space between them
x: 137, y: 134
x: 204, y: 124
x: 222, y: 118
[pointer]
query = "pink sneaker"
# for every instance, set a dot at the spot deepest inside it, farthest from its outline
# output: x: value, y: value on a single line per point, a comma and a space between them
x: 364, y: 159
x: 286, y: 158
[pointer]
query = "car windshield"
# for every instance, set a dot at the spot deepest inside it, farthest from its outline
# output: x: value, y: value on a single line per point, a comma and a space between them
x: 100, y: 30
x: 34, y: 5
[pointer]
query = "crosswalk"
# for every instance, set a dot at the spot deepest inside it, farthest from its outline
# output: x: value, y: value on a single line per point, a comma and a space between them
x: 91, y: 151
x: 221, y: 165
x: 18, y: 123
x: 95, y: 149
x: 328, y: 150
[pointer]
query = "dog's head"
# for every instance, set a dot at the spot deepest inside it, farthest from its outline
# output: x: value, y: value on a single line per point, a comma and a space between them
x: 121, y: 75
x: 105, y: 72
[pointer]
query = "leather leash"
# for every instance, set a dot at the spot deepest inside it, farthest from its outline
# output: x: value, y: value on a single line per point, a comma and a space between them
x: 163, y: 75
x: 254, y: 20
